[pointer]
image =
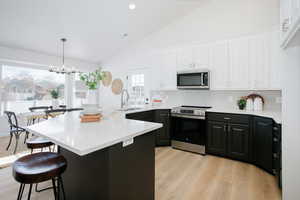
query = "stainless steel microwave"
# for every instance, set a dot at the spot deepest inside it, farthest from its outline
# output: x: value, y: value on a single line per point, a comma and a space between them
x: 193, y: 79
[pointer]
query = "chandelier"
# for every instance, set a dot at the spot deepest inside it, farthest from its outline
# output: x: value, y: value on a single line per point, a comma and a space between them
x: 63, y: 69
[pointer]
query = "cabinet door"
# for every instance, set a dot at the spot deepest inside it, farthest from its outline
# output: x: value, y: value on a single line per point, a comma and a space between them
x: 239, y: 64
x: 259, y: 61
x: 276, y: 67
x: 263, y: 139
x: 216, y: 138
x: 295, y: 10
x: 238, y: 141
x: 220, y: 66
x: 285, y: 16
x: 201, y: 56
x: 185, y: 58
x: 163, y: 134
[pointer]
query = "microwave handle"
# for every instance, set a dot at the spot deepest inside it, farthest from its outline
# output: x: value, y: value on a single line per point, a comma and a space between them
x: 202, y: 79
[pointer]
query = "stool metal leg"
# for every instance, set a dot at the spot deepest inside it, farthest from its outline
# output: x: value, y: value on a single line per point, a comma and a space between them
x: 29, y: 194
x: 10, y: 139
x: 62, y: 187
x: 21, y: 189
x: 17, y: 141
x: 54, y: 189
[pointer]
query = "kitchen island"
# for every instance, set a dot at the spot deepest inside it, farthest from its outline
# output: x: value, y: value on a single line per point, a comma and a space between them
x: 108, y: 160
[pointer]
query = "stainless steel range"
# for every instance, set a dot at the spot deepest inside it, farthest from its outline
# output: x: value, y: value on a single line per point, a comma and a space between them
x: 188, y: 128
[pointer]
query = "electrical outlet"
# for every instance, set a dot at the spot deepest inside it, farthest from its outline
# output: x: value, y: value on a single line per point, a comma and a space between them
x: 278, y: 100
x: 128, y: 142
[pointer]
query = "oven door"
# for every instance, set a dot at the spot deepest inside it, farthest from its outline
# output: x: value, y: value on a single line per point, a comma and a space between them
x: 187, y: 131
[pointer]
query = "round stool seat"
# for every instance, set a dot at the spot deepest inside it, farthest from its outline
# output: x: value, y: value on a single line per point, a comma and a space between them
x: 38, y: 143
x: 39, y: 167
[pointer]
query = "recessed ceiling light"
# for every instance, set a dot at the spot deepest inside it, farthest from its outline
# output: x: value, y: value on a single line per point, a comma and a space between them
x: 132, y: 6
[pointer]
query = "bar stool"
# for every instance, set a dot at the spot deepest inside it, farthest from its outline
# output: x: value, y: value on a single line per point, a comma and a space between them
x: 40, y: 167
x: 38, y: 143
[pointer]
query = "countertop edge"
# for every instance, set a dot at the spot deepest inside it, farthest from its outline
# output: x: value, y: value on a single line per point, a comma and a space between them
x: 105, y: 145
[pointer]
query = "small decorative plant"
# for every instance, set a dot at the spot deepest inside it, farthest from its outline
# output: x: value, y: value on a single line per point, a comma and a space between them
x: 54, y: 93
x: 242, y: 103
x: 92, y: 79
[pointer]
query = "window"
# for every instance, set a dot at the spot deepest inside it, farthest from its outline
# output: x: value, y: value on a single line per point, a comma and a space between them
x: 136, y: 89
x: 24, y: 87
x: 80, y: 91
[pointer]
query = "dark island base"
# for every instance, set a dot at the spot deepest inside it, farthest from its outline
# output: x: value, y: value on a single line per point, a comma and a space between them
x: 113, y: 173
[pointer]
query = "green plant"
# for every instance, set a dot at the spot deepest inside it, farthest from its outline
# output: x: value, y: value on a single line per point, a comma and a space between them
x: 242, y: 103
x: 54, y: 93
x: 92, y: 79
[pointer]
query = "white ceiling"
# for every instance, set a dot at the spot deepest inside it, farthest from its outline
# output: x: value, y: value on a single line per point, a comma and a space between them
x: 94, y: 28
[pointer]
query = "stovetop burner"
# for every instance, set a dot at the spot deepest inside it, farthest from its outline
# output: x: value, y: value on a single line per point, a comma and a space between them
x: 190, y: 110
x: 202, y: 107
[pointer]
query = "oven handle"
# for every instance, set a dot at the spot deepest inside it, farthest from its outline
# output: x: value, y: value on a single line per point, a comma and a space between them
x: 188, y: 116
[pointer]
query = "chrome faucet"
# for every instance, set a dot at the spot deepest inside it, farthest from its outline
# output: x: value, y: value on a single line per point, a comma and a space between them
x: 124, y: 102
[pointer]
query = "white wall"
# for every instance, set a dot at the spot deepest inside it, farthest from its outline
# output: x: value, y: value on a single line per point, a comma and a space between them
x: 215, y: 20
x: 291, y: 124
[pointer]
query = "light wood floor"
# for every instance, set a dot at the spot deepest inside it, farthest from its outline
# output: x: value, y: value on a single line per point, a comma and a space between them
x: 185, y: 176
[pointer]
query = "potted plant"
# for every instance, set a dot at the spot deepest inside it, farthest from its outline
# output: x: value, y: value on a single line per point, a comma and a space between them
x: 242, y: 103
x: 92, y: 81
x: 55, y: 95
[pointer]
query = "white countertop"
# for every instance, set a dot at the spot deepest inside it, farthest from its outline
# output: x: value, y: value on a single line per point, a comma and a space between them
x: 275, y: 115
x: 83, y: 138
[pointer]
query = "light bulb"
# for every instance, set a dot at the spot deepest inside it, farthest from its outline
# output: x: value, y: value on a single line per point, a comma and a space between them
x: 132, y: 6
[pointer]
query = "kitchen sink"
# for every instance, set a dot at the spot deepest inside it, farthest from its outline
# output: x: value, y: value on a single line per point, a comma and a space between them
x: 130, y: 109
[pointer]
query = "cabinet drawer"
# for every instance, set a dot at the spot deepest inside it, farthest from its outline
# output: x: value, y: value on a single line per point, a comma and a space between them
x: 230, y: 118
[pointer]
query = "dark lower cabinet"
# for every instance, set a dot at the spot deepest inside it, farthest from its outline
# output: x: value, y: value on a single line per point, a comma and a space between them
x: 216, y: 138
x: 163, y: 134
x: 253, y: 139
x: 263, y: 143
x: 238, y: 141
x: 159, y: 116
x: 147, y: 116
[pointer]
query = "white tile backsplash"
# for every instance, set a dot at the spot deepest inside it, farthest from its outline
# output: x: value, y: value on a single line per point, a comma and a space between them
x: 218, y: 99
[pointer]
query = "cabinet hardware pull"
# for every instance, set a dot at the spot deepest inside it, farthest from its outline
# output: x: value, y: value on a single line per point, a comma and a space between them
x: 275, y: 128
x: 227, y: 118
x: 275, y: 139
x: 285, y: 25
x: 229, y: 127
x: 224, y: 128
x: 237, y: 129
x: 275, y: 155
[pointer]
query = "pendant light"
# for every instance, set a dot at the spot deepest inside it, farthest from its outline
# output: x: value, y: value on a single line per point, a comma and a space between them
x: 63, y: 69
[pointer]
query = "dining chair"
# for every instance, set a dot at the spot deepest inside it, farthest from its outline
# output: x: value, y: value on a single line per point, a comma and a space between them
x: 54, y: 112
x: 15, y: 129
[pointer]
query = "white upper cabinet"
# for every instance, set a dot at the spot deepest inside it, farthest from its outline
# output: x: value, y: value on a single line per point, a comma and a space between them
x: 239, y: 74
x: 259, y: 62
x: 247, y: 63
x: 275, y: 62
x: 219, y: 66
x: 289, y: 21
x: 185, y: 58
x: 201, y: 56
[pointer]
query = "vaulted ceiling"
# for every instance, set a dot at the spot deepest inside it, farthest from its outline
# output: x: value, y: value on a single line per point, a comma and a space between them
x: 94, y: 28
